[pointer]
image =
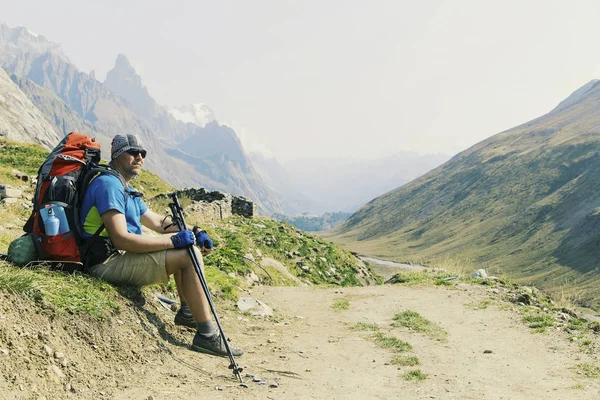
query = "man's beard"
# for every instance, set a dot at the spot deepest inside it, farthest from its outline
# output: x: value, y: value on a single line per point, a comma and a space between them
x: 135, y: 172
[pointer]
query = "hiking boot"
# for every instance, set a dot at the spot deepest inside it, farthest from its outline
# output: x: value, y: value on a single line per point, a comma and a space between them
x: 184, y: 320
x: 213, y: 345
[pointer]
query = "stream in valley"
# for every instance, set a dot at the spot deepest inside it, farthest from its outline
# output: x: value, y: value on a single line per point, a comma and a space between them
x: 387, y: 269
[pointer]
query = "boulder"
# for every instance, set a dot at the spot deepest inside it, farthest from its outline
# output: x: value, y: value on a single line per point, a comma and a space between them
x: 8, y: 191
x: 255, y: 307
x: 480, y: 273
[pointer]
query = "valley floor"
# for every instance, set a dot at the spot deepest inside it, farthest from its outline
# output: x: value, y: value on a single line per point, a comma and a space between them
x: 310, y: 350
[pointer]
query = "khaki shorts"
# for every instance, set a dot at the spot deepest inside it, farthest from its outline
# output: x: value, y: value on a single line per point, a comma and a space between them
x: 135, y: 269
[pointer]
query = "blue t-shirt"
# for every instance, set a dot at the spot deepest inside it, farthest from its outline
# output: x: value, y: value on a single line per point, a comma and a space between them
x: 106, y: 192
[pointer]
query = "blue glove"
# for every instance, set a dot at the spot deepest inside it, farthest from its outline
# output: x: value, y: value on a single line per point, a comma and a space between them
x: 203, y: 239
x: 183, y: 239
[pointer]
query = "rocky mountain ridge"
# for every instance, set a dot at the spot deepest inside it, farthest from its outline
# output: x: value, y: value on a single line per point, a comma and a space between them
x: 19, y: 117
x: 222, y: 165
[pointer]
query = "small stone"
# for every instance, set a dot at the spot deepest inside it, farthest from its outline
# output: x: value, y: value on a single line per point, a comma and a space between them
x: 282, y: 356
x: 48, y: 349
x: 249, y: 375
x: 274, y: 385
x: 57, y: 371
x: 243, y: 385
x: 218, y: 388
x: 256, y: 379
x: 150, y: 397
x: 479, y: 274
x: 94, y: 347
x: 21, y: 175
x: 58, y: 355
x: 271, y: 341
x: 9, y: 200
x: 487, y: 352
x: 4, y: 352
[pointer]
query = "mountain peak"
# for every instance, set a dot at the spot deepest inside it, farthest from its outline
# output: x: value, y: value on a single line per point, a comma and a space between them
x: 124, y: 81
x: 19, y: 40
x: 124, y: 70
x: 22, y: 30
x: 123, y: 63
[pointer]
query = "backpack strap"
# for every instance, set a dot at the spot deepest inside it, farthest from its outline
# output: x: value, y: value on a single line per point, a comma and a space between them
x: 102, y: 248
x: 94, y: 172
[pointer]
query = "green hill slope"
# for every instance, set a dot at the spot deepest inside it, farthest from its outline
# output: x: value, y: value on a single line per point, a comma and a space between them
x: 290, y: 256
x: 526, y: 201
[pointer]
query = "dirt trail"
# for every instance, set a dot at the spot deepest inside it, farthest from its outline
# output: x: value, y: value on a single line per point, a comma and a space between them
x: 312, y: 352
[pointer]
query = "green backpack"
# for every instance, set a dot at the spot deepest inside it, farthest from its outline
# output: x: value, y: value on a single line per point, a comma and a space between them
x: 21, y: 251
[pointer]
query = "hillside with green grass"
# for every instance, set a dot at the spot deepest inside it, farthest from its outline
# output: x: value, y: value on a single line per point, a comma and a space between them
x: 65, y: 336
x: 525, y: 201
x: 240, y: 247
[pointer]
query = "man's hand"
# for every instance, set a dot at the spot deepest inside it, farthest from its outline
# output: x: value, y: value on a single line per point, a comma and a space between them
x: 183, y: 239
x: 203, y: 240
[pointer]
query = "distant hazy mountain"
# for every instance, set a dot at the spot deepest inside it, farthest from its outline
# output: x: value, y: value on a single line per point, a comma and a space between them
x: 199, y: 114
x: 345, y: 185
x: 125, y: 82
x: 525, y: 202
x: 123, y: 104
x: 21, y: 48
x: 313, y: 223
x: 279, y: 181
x: 56, y: 112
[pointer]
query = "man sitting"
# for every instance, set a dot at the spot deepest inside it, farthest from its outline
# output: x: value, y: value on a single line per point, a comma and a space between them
x: 112, y: 215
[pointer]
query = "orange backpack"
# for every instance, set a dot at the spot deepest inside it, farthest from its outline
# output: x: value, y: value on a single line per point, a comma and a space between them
x: 58, y: 196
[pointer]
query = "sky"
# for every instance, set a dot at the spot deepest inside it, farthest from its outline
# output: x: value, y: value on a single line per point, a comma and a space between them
x: 347, y: 79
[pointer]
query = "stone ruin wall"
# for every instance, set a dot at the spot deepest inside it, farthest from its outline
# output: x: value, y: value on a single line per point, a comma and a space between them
x: 216, y: 205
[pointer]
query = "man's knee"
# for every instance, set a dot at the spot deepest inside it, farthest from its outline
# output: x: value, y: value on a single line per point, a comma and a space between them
x: 180, y: 258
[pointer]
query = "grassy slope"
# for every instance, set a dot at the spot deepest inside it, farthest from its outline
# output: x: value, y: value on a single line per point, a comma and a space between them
x: 525, y: 201
x: 234, y: 238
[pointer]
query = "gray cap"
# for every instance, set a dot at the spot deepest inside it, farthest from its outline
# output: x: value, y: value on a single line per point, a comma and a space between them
x: 123, y: 143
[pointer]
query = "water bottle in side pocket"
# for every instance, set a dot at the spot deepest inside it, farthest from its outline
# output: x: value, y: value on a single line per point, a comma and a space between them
x: 51, y: 223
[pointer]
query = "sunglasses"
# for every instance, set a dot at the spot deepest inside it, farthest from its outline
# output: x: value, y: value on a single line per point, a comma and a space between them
x: 135, y: 153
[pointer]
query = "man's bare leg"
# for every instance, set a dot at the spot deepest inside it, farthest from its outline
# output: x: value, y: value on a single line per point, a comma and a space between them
x: 207, y: 339
x: 189, y: 285
x: 177, y: 276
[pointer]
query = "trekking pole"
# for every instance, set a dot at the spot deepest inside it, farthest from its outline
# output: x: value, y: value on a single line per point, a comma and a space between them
x: 178, y: 219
